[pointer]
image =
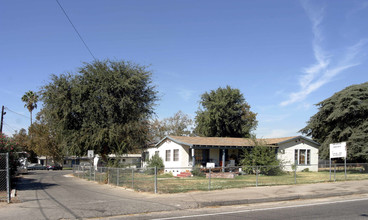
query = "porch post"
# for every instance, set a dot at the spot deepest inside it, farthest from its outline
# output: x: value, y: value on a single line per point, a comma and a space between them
x: 223, y: 160
x: 193, y: 157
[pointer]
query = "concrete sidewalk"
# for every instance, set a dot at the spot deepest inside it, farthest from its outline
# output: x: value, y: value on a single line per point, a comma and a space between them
x: 261, y: 194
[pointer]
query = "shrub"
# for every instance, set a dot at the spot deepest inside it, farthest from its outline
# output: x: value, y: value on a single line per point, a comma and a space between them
x: 197, y: 171
x: 264, y: 157
x: 155, y: 161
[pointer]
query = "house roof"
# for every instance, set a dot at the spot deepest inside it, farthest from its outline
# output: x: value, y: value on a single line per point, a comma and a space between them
x: 228, y: 142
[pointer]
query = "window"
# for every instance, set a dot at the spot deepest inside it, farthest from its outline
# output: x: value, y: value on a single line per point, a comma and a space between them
x: 308, y: 156
x: 176, y: 155
x: 146, y: 156
x: 168, y: 154
x: 302, y: 157
x: 157, y: 152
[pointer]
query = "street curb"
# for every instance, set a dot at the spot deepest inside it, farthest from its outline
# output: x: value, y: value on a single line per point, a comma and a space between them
x: 276, y: 199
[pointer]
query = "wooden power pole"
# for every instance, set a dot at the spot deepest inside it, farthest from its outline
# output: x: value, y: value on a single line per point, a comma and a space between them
x: 2, y: 119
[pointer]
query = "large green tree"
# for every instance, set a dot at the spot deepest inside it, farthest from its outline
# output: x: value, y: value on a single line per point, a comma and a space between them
x: 342, y: 117
x: 224, y: 113
x: 31, y: 99
x: 42, y: 140
x: 105, y: 107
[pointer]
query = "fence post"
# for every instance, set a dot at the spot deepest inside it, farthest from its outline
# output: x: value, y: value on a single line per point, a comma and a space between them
x: 345, y: 167
x: 155, y: 179
x: 94, y: 173
x: 100, y: 174
x: 209, y: 179
x: 133, y: 178
x: 295, y: 173
x: 335, y: 173
x: 7, y: 178
x: 256, y: 176
x: 117, y: 176
x: 108, y: 175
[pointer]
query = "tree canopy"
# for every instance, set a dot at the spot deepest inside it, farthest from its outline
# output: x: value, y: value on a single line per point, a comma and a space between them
x: 105, y: 107
x: 31, y: 99
x: 342, y: 117
x: 224, y: 113
x: 177, y: 125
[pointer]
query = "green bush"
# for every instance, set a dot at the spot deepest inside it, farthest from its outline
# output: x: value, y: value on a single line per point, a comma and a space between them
x: 197, y: 171
x: 261, y: 157
x: 155, y: 161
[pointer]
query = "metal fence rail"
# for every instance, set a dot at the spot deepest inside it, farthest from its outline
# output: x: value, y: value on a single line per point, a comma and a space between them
x: 4, y: 177
x: 183, y: 179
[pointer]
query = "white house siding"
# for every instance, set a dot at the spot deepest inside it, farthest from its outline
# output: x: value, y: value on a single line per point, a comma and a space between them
x: 286, y: 154
x: 175, y: 167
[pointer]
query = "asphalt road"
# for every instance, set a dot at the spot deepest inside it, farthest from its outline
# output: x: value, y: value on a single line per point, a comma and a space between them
x: 336, y: 208
x: 57, y: 195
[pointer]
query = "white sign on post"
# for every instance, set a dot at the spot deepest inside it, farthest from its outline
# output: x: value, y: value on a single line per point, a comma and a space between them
x: 91, y: 153
x: 338, y: 150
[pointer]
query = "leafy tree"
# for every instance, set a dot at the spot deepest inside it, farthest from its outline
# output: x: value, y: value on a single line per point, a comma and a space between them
x: 342, y: 117
x: 105, y: 107
x: 21, y: 137
x: 224, y: 113
x: 42, y: 140
x: 31, y: 99
x: 262, y: 156
x: 178, y: 125
x: 10, y: 146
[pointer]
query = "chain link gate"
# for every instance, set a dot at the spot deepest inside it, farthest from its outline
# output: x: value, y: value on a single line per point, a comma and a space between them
x: 4, y: 177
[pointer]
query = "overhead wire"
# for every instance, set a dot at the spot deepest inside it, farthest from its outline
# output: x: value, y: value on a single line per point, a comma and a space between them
x: 70, y: 21
x: 6, y: 108
x: 7, y: 125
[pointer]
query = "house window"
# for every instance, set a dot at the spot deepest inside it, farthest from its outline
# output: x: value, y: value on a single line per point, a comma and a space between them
x: 302, y: 157
x: 146, y: 156
x: 157, y: 152
x: 168, y: 154
x: 308, y: 157
x: 176, y: 155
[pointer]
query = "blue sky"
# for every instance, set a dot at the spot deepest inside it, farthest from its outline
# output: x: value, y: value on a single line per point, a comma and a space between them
x: 284, y: 56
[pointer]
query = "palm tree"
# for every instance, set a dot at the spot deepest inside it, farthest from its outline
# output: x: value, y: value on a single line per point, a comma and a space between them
x: 31, y: 99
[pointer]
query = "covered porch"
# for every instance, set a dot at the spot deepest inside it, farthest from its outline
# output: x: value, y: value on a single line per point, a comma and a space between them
x: 216, y: 156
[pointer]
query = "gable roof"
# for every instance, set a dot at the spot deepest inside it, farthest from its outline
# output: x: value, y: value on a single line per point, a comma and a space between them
x: 227, y: 141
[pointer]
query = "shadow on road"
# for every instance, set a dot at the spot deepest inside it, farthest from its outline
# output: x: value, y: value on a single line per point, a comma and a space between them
x: 32, y: 184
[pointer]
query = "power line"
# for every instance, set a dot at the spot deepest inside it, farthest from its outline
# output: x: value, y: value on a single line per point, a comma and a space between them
x: 7, y: 125
x: 70, y: 21
x: 16, y: 112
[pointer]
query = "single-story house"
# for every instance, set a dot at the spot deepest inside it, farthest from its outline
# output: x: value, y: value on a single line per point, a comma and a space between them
x: 182, y: 153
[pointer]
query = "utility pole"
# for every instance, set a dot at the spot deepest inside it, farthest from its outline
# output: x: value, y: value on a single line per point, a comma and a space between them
x: 2, y: 119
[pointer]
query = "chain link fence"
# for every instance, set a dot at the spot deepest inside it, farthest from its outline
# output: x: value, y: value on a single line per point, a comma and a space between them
x: 4, y: 178
x: 183, y: 179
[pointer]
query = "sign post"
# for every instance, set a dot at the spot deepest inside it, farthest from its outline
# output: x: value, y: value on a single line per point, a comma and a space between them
x: 338, y: 150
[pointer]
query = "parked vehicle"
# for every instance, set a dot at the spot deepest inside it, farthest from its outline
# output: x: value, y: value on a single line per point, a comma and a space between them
x: 85, y: 165
x: 36, y: 166
x: 54, y: 167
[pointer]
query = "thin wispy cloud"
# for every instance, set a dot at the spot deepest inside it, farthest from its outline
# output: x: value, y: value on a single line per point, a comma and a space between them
x: 327, y: 66
x: 185, y: 94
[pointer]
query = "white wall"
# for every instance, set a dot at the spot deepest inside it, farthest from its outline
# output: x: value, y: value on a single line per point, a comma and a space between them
x: 182, y: 165
x: 286, y: 154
